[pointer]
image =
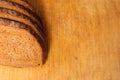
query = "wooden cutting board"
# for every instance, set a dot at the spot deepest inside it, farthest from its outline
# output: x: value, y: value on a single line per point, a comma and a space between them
x: 84, y: 38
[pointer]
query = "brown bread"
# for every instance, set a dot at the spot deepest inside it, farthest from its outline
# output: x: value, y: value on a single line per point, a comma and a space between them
x: 22, y: 39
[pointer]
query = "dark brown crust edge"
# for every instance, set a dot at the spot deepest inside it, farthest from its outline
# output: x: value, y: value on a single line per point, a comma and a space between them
x: 12, y: 23
x: 18, y: 14
x: 27, y: 10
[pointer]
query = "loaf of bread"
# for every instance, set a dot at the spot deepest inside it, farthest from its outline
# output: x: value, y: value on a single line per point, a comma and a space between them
x: 22, y: 42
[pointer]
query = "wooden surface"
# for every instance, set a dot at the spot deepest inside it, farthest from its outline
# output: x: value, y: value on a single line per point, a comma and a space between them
x: 84, y: 37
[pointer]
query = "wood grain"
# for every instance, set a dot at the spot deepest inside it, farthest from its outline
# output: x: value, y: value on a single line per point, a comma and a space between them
x: 84, y: 37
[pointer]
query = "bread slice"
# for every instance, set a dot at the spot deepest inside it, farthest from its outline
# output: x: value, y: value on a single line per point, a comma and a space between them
x: 22, y: 39
x: 11, y: 14
x: 17, y: 7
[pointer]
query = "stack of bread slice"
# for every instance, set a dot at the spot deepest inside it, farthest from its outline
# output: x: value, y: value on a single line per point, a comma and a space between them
x: 22, y: 42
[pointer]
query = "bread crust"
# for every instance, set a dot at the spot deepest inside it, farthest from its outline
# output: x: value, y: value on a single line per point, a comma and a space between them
x: 23, y: 9
x: 23, y: 19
